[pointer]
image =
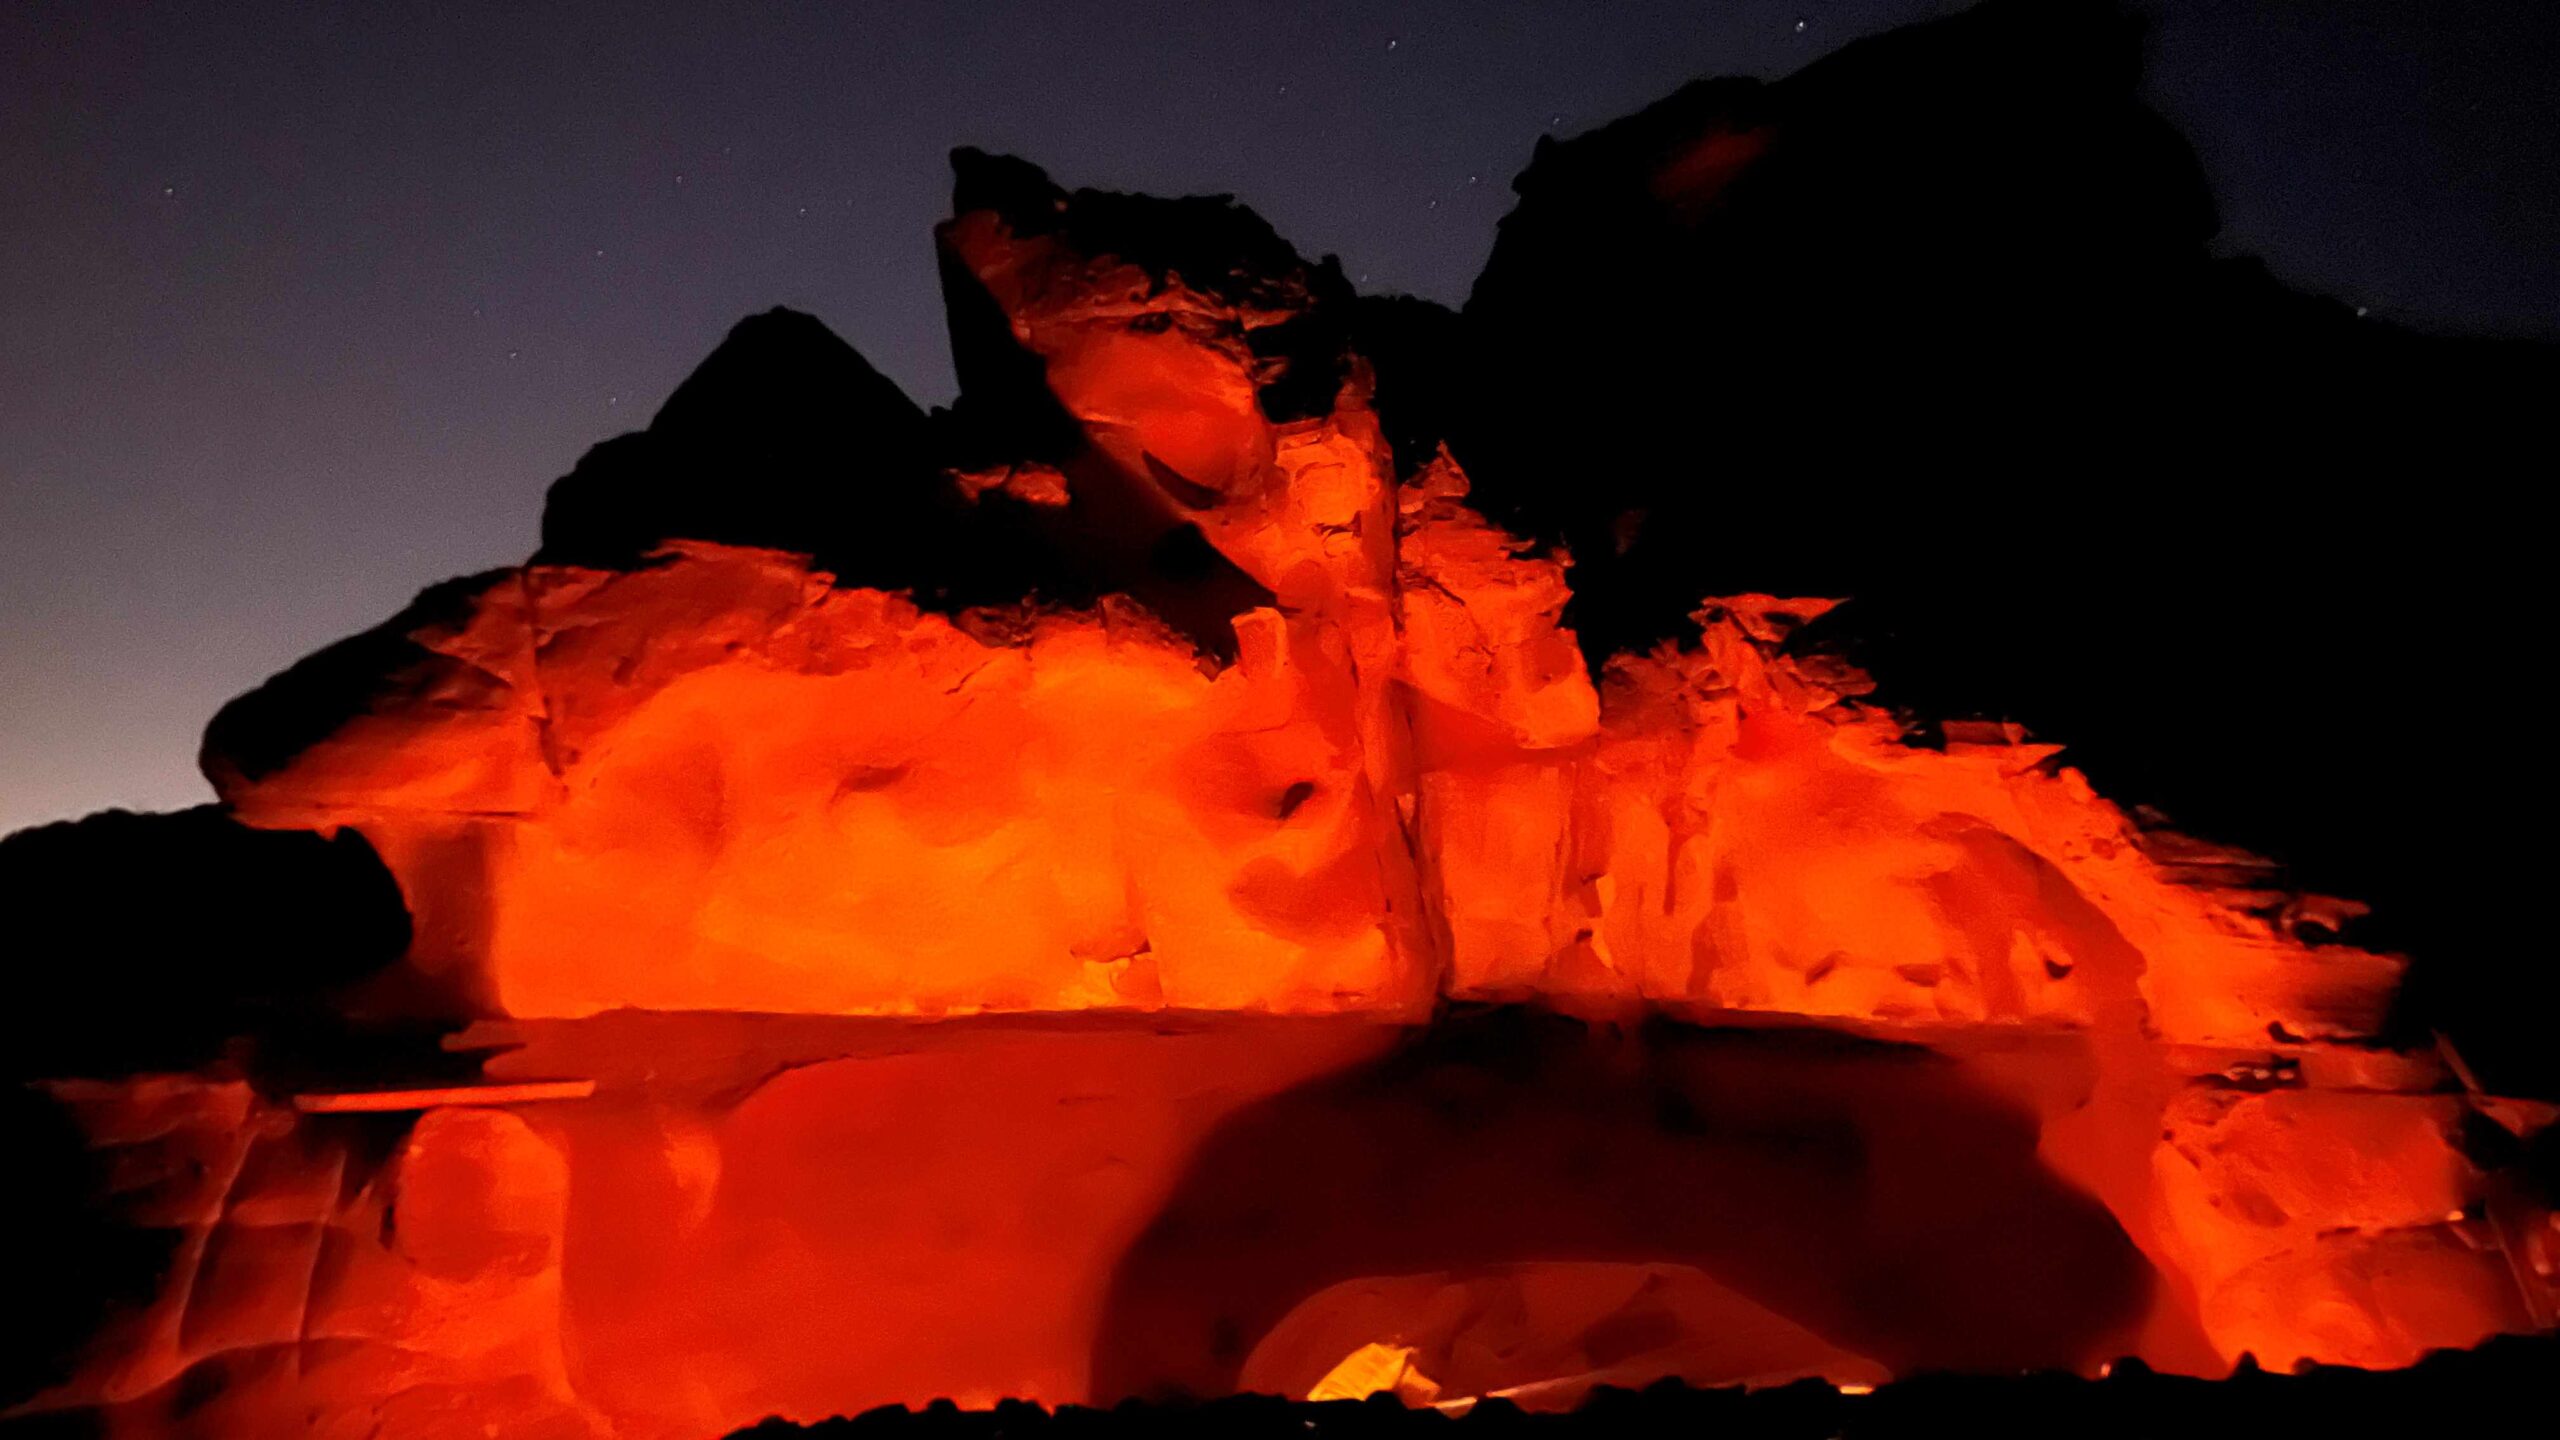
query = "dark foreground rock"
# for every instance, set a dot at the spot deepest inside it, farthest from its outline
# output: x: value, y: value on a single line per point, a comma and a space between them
x: 2495, y: 1390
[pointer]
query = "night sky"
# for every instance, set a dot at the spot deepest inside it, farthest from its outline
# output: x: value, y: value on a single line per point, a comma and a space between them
x: 304, y: 309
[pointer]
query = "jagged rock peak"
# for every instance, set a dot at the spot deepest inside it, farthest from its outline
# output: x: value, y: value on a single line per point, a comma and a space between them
x: 783, y: 437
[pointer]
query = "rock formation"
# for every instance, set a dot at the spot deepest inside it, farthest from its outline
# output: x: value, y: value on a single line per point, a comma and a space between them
x: 1286, y: 829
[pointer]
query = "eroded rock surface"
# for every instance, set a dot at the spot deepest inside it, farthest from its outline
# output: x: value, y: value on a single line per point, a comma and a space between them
x: 1165, y: 872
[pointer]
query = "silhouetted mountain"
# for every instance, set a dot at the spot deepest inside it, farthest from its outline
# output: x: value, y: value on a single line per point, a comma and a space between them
x: 784, y: 437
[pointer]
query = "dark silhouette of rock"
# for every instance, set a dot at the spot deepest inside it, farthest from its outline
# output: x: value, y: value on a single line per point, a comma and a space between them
x: 785, y: 437
x: 1409, y: 342
x: 159, y: 943
x: 73, y: 1262
x: 147, y: 942
x: 2505, y: 1376
x: 1935, y: 313
x: 1935, y: 324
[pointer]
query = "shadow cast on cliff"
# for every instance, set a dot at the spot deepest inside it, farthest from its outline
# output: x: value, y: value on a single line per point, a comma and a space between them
x: 1875, y: 1194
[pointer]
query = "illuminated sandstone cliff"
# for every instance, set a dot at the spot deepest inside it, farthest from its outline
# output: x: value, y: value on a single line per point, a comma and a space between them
x: 1132, y: 885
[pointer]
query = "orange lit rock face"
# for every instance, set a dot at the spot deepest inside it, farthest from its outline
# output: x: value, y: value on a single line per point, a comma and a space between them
x: 783, y: 792
x: 2000, y: 1078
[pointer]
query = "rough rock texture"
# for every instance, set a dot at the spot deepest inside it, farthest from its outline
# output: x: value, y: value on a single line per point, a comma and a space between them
x: 316, y: 1283
x: 1182, y: 712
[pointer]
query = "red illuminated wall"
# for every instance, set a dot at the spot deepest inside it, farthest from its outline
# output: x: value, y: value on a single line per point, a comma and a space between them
x: 1039, y: 1000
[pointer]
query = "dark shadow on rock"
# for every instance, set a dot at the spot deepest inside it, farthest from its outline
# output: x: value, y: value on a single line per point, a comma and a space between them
x: 1873, y: 1194
x: 71, y: 1261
